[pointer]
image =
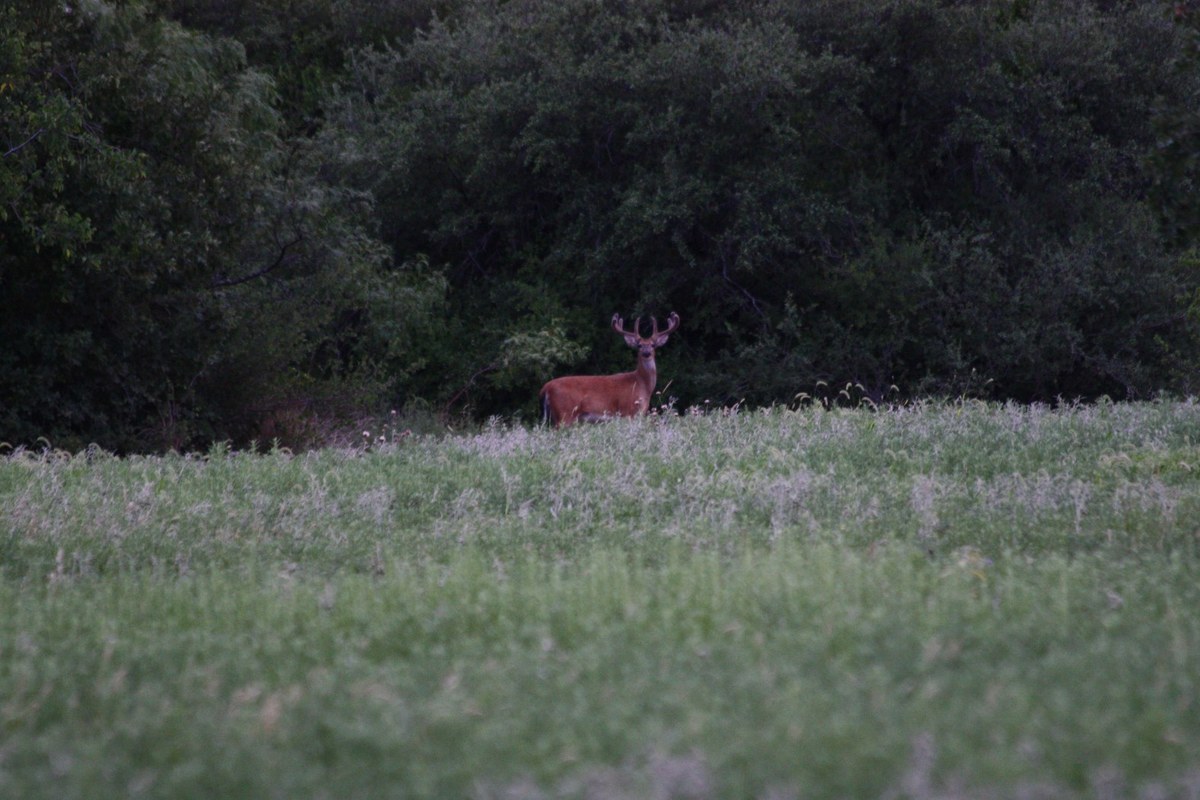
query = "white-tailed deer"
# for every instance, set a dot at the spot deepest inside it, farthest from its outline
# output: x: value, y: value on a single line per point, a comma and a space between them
x: 594, y: 397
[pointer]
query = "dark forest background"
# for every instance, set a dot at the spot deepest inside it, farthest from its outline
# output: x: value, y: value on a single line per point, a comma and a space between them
x: 223, y: 219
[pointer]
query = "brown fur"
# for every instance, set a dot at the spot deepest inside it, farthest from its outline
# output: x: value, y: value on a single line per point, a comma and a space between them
x: 591, y: 398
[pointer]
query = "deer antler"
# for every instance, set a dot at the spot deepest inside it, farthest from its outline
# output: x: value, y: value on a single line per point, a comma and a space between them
x: 672, y: 324
x: 618, y: 325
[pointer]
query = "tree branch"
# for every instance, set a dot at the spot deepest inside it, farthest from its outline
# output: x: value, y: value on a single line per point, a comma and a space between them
x: 282, y: 259
x: 36, y: 134
x: 467, y: 387
x: 754, y: 304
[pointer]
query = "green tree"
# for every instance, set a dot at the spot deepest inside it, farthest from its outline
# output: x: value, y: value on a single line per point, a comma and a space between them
x: 211, y: 211
x: 1176, y: 157
x: 176, y: 264
x: 945, y: 196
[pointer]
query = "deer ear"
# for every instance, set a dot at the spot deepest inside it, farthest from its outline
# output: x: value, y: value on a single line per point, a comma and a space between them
x: 672, y: 323
x: 632, y: 340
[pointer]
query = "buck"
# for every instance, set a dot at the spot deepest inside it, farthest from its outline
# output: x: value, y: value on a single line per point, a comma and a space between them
x: 590, y: 398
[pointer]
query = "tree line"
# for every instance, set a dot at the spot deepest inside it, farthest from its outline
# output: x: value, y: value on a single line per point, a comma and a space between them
x: 216, y: 215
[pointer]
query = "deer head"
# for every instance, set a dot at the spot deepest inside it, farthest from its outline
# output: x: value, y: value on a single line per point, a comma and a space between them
x: 645, y: 347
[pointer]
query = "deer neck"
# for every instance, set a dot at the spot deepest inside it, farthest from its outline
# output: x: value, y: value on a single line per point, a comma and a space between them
x: 647, y: 374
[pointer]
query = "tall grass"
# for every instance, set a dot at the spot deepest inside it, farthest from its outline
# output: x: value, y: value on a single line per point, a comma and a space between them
x: 932, y: 601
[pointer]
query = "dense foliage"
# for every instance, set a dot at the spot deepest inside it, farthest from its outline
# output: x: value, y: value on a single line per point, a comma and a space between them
x: 218, y: 216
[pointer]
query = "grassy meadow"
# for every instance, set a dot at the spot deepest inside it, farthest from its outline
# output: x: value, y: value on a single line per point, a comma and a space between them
x: 941, y: 600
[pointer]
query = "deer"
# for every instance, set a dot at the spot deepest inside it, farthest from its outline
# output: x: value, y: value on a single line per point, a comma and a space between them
x: 591, y: 398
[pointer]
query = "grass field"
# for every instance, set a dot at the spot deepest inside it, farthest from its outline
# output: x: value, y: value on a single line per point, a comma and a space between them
x: 943, y: 600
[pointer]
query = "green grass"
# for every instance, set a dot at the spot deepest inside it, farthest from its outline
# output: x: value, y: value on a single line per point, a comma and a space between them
x: 935, y: 601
